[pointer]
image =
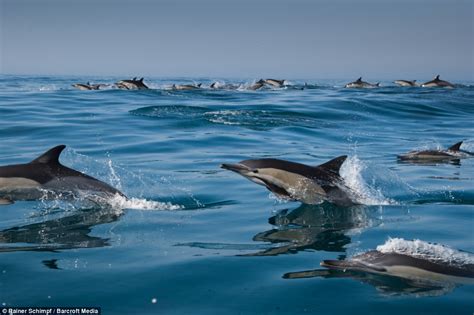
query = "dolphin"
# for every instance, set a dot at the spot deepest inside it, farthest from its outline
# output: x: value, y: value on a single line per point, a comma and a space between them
x: 87, y: 86
x: 133, y: 84
x: 454, y: 152
x: 185, y: 87
x: 404, y: 266
x: 405, y: 82
x: 437, y: 82
x: 295, y: 181
x: 274, y: 82
x: 359, y: 84
x: 257, y: 85
x: 46, y: 178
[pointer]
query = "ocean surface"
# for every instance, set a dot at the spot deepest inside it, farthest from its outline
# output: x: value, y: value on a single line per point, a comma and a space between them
x: 196, y: 239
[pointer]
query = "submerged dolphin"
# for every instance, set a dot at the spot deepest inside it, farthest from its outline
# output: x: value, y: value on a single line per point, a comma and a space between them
x: 361, y: 84
x: 295, y: 181
x: 454, y: 152
x: 46, y: 178
x: 406, y: 82
x: 404, y: 266
x: 437, y: 82
x: 133, y: 84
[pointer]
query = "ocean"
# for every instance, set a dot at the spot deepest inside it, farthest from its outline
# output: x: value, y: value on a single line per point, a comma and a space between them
x: 196, y: 239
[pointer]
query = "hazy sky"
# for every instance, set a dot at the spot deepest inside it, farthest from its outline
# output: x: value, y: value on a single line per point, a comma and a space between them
x: 409, y: 39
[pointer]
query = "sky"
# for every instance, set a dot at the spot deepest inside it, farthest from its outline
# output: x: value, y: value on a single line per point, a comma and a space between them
x: 376, y: 39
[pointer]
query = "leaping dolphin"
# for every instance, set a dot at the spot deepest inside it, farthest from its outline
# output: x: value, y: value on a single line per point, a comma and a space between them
x: 437, y: 82
x: 406, y: 82
x: 274, y: 82
x: 186, y: 87
x: 88, y: 86
x: 454, y: 152
x: 359, y: 84
x: 295, y: 181
x: 133, y: 84
x: 46, y: 178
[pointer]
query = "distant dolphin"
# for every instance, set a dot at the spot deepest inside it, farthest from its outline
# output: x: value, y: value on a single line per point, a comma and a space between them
x: 295, y: 181
x: 185, y: 87
x: 257, y: 85
x: 454, y: 152
x: 46, y: 178
x: 274, y: 82
x: 87, y: 86
x: 404, y: 266
x: 436, y: 82
x: 405, y: 82
x: 361, y: 84
x: 133, y: 84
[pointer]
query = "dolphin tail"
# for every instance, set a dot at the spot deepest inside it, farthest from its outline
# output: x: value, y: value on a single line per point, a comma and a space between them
x: 51, y: 156
x: 377, y: 84
x: 455, y: 147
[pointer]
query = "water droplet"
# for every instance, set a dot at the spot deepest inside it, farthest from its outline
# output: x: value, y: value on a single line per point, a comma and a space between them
x: 153, y: 300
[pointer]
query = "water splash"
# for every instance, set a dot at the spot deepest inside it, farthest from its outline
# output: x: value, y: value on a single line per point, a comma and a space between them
x: 352, y: 171
x: 141, y: 204
x: 424, y: 250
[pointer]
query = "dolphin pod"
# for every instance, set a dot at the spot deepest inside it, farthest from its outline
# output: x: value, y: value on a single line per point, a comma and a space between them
x: 46, y: 178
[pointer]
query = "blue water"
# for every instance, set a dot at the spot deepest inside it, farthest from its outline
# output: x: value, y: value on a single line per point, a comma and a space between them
x: 196, y: 239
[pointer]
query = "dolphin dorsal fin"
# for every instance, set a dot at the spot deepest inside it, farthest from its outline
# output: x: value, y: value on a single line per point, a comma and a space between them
x: 51, y: 156
x: 141, y: 80
x: 134, y: 79
x: 334, y: 165
x: 455, y: 147
x: 437, y: 77
x: 413, y: 81
x: 359, y: 79
x: 199, y: 85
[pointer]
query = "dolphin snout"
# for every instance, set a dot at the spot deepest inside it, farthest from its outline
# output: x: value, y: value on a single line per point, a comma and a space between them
x: 238, y: 168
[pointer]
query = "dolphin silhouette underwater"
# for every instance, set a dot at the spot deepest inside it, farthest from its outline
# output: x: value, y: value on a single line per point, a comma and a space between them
x: 46, y: 178
x: 454, y: 152
x: 298, y: 182
x: 406, y: 82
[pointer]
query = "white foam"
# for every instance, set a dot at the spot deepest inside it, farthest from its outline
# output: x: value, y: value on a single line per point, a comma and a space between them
x: 140, y: 204
x: 351, y: 171
x: 424, y: 250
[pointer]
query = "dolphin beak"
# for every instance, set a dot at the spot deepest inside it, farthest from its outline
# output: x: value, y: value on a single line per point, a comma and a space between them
x: 238, y: 168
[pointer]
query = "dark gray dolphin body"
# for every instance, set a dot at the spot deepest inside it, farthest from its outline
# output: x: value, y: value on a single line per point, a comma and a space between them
x: 405, y: 82
x: 437, y: 82
x: 404, y: 266
x: 452, y: 153
x: 46, y: 178
x: 133, y: 84
x: 295, y: 181
x: 359, y: 84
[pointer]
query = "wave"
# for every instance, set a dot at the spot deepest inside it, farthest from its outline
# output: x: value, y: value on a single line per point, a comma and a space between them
x: 424, y: 250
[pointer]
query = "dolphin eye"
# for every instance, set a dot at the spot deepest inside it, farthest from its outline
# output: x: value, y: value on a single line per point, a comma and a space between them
x: 255, y: 171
